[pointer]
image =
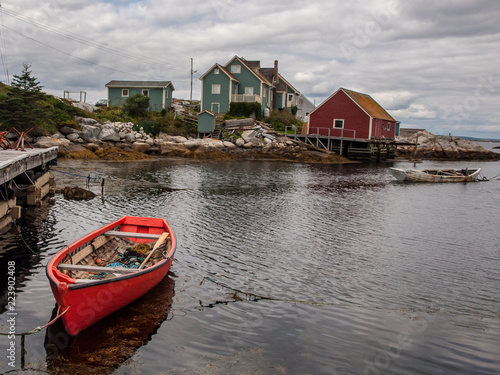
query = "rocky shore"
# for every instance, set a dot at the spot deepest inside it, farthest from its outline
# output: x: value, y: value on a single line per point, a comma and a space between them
x: 431, y: 146
x: 118, y: 141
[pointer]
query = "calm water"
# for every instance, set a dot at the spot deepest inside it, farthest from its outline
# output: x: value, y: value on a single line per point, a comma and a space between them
x: 366, y: 275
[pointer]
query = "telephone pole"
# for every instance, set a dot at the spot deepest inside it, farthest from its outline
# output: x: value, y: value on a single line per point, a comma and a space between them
x: 192, y: 72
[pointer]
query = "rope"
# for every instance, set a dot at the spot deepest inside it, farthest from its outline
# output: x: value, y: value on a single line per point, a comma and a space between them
x: 257, y: 297
x: 94, y: 179
x: 38, y: 329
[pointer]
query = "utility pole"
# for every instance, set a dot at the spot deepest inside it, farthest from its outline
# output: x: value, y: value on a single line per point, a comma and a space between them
x: 192, y: 72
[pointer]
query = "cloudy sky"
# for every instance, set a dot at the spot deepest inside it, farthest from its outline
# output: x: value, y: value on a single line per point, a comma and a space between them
x: 431, y: 64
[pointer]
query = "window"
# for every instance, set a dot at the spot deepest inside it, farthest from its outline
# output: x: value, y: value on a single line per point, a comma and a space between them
x: 215, y: 88
x: 388, y: 126
x: 216, y: 71
x: 248, y: 91
x: 124, y: 92
x: 235, y: 68
x: 338, y: 124
x: 145, y: 92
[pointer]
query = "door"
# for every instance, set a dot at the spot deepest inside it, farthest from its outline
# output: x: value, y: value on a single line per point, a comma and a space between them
x: 215, y: 108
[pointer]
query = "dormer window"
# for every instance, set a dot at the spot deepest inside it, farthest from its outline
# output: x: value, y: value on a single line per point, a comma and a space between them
x: 236, y: 69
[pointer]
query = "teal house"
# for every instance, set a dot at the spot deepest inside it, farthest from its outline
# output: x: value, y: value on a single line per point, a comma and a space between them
x: 159, y: 92
x: 241, y: 80
x: 206, y: 122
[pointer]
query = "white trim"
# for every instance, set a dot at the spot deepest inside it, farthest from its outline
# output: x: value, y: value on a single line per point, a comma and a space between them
x: 212, y: 107
x: 338, y: 119
x: 216, y: 88
x: 128, y: 93
x: 235, y: 69
x: 370, y: 128
x: 147, y: 92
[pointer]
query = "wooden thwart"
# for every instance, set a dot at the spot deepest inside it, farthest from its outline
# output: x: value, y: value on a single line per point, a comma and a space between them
x: 117, y: 233
x: 78, y: 267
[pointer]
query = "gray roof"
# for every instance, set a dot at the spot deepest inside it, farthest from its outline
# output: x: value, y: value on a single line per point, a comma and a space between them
x: 141, y: 84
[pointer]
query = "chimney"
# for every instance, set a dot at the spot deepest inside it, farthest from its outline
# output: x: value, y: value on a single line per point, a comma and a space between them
x: 275, y: 84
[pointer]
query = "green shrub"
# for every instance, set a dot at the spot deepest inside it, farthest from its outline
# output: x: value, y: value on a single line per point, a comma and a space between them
x: 136, y: 105
x: 245, y: 109
x: 279, y: 120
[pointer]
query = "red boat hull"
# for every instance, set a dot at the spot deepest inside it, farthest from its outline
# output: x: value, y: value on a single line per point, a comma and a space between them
x: 90, y: 302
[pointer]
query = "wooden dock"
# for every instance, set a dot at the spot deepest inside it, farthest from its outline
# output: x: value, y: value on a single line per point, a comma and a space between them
x: 24, y: 178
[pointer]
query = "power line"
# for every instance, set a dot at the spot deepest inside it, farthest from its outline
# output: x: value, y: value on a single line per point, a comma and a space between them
x: 90, y: 42
x: 68, y: 54
x: 3, y: 49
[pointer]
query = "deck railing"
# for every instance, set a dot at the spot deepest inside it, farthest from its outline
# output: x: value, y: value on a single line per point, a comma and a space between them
x: 246, y: 98
x: 329, y: 133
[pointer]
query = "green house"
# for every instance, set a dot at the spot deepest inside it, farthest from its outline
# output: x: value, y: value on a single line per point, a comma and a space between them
x: 159, y: 92
x: 241, y: 80
x: 206, y: 122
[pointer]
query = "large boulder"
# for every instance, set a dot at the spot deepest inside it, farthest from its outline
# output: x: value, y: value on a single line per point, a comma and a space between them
x: 109, y: 133
x: 90, y: 133
x: 86, y: 121
x: 141, y: 147
x: 172, y: 147
x: 46, y: 142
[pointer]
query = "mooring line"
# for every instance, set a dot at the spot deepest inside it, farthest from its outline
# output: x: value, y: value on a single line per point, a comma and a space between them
x: 38, y: 329
x: 257, y: 297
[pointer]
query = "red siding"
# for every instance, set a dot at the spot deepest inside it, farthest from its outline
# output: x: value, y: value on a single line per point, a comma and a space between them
x: 356, y: 121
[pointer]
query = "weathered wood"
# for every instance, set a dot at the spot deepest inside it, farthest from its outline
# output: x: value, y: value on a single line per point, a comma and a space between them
x: 78, y: 267
x: 132, y: 235
x: 234, y: 123
x: 98, y: 242
x: 13, y: 163
x: 6, y: 206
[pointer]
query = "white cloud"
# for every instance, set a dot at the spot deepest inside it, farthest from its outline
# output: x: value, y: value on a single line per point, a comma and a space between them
x: 423, y: 61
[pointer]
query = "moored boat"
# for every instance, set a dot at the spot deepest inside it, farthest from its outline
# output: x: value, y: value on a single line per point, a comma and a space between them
x: 109, y: 268
x: 436, y: 175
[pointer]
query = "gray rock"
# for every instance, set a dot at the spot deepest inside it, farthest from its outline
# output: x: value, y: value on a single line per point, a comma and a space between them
x: 73, y: 137
x: 67, y: 130
x: 169, y: 147
x: 86, y: 121
x: 89, y: 133
x: 141, y: 147
x: 240, y: 142
x: 109, y: 133
x: 129, y: 137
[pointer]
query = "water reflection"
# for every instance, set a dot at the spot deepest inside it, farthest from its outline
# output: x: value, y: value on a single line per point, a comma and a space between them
x: 111, y: 341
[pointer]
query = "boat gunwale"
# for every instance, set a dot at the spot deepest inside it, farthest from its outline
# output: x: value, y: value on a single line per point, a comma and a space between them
x: 92, y: 236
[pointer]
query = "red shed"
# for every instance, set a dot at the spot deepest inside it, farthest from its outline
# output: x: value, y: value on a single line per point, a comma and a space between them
x: 350, y: 114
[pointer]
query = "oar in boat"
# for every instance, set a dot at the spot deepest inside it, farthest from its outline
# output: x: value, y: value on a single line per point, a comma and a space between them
x: 162, y: 239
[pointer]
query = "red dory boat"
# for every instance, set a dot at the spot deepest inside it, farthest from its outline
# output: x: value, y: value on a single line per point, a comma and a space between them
x: 109, y: 268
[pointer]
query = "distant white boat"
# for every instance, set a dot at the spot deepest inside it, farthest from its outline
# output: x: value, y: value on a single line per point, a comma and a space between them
x: 436, y: 175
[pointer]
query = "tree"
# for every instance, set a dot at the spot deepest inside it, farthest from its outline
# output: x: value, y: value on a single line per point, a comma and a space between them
x: 21, y: 105
x: 136, y: 105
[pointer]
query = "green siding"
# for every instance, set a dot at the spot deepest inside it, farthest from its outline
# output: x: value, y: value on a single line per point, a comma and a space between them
x: 206, y: 122
x: 223, y: 98
x: 155, y: 94
x: 246, y: 78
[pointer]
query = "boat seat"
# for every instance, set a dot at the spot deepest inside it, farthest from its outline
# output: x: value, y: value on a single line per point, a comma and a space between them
x: 86, y: 268
x: 117, y: 233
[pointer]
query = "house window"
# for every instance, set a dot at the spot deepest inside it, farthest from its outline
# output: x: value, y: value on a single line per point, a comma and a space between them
x: 249, y: 91
x: 216, y: 88
x: 216, y: 71
x: 388, y: 126
x: 124, y: 92
x: 338, y: 124
x: 145, y: 92
x: 235, y: 68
